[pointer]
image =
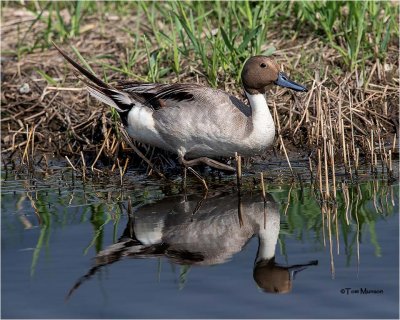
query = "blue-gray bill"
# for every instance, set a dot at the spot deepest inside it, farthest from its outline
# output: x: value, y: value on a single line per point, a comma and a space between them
x: 284, y: 81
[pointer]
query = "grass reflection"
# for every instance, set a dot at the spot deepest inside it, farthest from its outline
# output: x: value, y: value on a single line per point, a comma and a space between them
x: 347, y: 221
x: 44, y: 236
x: 98, y: 219
x: 351, y: 217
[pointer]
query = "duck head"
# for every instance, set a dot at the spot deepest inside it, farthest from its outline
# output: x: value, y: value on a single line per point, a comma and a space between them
x: 259, y: 72
x: 274, y: 278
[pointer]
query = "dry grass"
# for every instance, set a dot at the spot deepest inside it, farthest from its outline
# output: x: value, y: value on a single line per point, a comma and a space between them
x: 346, y: 117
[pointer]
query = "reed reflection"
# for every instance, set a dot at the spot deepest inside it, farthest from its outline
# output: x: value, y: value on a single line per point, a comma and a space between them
x: 205, y: 231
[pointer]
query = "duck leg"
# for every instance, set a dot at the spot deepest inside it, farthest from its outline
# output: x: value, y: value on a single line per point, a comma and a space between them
x: 210, y: 162
x: 184, y: 173
x: 186, y: 165
x: 200, y: 203
x: 198, y: 176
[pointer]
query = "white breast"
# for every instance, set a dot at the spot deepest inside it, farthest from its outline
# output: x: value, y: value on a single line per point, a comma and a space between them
x: 263, y: 133
x: 268, y: 236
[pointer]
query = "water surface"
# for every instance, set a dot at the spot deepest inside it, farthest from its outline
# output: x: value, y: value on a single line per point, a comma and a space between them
x: 145, y: 250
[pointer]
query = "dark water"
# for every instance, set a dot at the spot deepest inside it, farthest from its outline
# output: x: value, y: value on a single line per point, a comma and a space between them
x: 146, y: 251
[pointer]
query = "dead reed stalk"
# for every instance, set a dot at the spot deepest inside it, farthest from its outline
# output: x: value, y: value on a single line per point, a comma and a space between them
x: 238, y: 171
x: 262, y: 186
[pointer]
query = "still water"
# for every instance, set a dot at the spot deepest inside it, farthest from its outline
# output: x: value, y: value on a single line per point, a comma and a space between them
x: 145, y: 250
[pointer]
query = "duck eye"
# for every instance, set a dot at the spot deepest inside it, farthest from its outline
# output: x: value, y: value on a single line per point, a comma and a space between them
x: 263, y: 65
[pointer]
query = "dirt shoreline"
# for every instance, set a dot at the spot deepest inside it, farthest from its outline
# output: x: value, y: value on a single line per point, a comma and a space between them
x: 341, y: 119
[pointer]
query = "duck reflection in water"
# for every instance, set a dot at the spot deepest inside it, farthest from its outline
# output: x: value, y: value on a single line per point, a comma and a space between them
x: 204, y: 231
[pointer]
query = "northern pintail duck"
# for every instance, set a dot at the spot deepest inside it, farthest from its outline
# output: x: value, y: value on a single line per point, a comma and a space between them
x: 203, y: 232
x: 194, y: 121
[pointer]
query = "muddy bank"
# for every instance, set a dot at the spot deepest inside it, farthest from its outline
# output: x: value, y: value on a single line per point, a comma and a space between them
x: 345, y: 119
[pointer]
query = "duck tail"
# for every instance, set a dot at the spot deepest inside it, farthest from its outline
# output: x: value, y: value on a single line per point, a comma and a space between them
x: 98, y: 88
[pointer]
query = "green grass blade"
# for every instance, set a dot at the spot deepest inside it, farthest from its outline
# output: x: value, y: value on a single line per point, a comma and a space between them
x: 83, y: 61
x: 45, y: 76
